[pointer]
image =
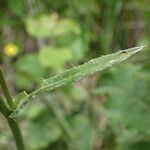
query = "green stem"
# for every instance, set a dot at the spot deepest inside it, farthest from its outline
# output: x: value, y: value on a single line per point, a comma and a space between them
x: 6, y: 91
x: 16, y: 133
x: 6, y: 112
x: 3, y: 108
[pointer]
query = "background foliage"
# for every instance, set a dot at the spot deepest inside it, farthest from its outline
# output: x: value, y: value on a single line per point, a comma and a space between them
x: 108, y: 110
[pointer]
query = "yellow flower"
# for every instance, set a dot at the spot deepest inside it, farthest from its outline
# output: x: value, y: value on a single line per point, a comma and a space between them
x: 10, y: 49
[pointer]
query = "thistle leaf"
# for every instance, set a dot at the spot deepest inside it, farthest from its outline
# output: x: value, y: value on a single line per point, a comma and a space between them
x: 19, y: 98
x: 77, y: 73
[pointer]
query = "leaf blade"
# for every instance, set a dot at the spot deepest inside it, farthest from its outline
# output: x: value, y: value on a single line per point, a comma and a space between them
x: 77, y: 73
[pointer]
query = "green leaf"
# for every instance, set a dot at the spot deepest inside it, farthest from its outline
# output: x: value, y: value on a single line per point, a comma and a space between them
x: 42, y: 26
x: 75, y: 43
x: 20, y: 97
x: 50, y: 25
x: 94, y: 65
x: 78, y: 48
x: 84, y: 131
x: 126, y: 140
x: 42, y: 131
x: 22, y: 82
x: 54, y: 57
x: 129, y: 99
x: 67, y: 26
x: 80, y: 72
x: 34, y: 72
x: 34, y: 111
x: 127, y: 104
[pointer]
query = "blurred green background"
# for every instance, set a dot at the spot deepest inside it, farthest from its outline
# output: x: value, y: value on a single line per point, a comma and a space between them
x: 109, y: 110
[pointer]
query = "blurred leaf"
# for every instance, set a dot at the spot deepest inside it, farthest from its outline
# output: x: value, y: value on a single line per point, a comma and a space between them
x: 67, y: 25
x: 84, y: 133
x: 34, y: 111
x: 22, y: 82
x: 126, y: 140
x: 129, y: 140
x: 42, y: 26
x: 42, y: 131
x: 50, y: 25
x: 54, y: 57
x: 29, y: 67
x: 75, y: 43
x: 127, y: 102
x: 78, y: 48
x: 82, y: 93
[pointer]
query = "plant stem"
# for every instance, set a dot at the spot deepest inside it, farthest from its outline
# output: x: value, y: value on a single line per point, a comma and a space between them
x: 3, y: 108
x: 6, y: 91
x: 16, y: 133
x: 6, y: 112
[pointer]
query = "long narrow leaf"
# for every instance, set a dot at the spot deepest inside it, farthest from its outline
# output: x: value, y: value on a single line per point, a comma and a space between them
x: 78, y: 73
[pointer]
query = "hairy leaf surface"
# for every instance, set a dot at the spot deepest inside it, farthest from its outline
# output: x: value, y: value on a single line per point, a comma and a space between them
x: 77, y: 73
